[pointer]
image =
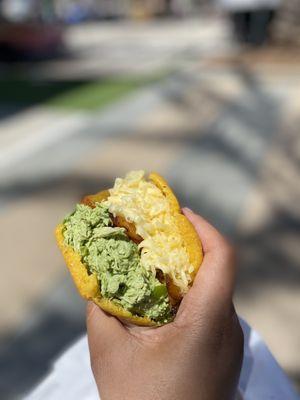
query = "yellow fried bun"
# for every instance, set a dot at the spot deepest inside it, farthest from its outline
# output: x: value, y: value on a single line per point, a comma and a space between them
x: 130, y: 249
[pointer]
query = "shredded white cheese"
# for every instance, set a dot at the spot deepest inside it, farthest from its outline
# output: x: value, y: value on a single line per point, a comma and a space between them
x: 142, y: 203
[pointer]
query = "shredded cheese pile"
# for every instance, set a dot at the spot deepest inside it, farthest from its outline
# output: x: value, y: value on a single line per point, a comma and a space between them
x: 143, y: 204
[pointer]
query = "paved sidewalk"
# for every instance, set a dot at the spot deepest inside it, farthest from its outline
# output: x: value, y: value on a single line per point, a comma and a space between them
x: 131, y: 48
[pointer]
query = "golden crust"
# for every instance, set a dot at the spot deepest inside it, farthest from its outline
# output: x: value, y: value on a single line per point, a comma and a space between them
x: 167, y: 191
x: 88, y: 285
x: 191, y: 241
x: 189, y: 235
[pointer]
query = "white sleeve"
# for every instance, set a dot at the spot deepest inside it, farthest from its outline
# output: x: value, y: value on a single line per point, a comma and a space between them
x: 71, y: 377
x: 261, y: 377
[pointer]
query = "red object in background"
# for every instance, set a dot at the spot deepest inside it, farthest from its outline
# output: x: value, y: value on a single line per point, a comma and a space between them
x: 30, y: 40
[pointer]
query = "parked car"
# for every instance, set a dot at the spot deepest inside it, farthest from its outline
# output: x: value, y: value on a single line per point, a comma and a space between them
x: 30, y: 40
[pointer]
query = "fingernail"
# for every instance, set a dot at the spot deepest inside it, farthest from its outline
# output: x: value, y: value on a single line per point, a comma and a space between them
x: 188, y: 209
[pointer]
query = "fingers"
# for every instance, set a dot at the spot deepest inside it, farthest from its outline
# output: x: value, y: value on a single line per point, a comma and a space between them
x: 213, y: 287
x: 104, y: 331
x: 218, y: 263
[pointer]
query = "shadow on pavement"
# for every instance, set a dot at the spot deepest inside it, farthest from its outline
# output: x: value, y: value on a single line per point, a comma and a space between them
x: 217, y: 169
x: 27, y: 358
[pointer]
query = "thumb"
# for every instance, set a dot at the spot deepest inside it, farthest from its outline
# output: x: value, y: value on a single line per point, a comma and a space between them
x: 218, y: 267
x: 213, y: 286
x: 104, y: 331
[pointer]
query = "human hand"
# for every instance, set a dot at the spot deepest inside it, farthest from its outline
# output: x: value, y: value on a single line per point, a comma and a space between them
x: 197, y: 356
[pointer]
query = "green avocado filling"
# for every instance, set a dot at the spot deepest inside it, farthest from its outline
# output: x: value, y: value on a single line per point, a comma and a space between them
x: 115, y: 259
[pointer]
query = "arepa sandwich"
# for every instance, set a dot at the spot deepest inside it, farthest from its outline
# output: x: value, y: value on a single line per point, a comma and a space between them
x: 130, y: 250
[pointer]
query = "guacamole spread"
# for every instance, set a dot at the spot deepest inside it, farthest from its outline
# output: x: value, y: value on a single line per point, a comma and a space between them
x: 115, y: 259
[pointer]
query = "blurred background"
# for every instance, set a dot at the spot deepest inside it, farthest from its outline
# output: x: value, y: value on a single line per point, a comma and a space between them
x: 206, y: 93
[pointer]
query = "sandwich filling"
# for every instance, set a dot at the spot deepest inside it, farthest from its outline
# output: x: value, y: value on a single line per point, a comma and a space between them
x: 108, y: 252
x: 142, y: 203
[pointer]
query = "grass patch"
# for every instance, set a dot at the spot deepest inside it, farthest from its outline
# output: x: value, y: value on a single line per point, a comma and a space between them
x: 95, y: 95
x: 71, y: 95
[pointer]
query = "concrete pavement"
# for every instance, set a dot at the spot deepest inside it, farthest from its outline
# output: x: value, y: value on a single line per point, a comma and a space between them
x: 131, y: 48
